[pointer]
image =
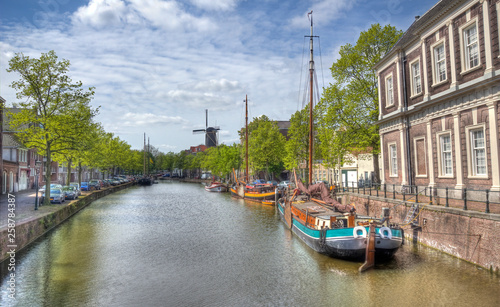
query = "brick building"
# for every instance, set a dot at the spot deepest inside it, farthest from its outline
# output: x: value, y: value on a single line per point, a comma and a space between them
x: 439, y: 92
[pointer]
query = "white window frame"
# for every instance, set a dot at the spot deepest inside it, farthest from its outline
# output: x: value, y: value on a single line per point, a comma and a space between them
x: 413, y: 83
x: 498, y: 22
x: 435, y: 63
x: 441, y: 153
x: 463, y: 47
x: 393, y: 165
x: 471, y: 155
x: 415, y: 140
x: 389, y: 97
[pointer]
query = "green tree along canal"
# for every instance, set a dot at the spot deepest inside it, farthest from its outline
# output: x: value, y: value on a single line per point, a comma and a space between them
x: 174, y: 244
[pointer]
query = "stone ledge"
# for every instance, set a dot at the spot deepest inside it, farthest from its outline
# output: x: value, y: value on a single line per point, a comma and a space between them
x: 28, y: 230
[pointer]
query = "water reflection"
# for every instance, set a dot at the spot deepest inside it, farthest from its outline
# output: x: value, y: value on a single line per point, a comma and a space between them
x: 176, y: 244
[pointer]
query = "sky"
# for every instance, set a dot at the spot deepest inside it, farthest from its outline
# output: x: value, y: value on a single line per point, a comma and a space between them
x: 156, y: 65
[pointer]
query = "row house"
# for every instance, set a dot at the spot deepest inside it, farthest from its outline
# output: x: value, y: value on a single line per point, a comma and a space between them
x: 439, y: 94
x: 21, y: 166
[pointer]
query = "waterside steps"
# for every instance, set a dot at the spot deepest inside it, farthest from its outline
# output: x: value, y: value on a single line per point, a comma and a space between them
x: 411, y: 213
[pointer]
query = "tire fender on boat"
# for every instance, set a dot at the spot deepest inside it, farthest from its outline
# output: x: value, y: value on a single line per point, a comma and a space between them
x: 385, y: 233
x: 355, y: 232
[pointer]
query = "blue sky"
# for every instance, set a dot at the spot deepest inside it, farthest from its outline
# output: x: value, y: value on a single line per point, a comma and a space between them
x: 157, y: 65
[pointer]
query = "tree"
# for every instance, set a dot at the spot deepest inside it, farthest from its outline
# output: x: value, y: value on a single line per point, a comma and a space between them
x: 351, y: 101
x: 55, y: 110
x: 266, y: 146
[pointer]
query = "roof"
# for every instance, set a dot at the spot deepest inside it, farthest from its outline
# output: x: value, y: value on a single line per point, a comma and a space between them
x: 421, y: 23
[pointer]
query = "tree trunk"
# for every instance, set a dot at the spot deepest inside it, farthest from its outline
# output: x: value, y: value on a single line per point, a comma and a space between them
x: 69, y: 172
x: 80, y: 174
x: 48, y: 173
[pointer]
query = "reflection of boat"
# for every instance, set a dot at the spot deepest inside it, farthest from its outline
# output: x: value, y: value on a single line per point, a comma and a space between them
x: 329, y: 227
x: 216, y: 187
x: 260, y: 192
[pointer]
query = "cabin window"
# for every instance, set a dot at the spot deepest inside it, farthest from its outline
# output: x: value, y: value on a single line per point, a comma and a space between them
x: 416, y: 84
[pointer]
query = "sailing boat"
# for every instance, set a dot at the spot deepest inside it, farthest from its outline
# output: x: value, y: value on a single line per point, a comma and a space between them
x: 260, y: 192
x: 146, y: 179
x: 329, y: 227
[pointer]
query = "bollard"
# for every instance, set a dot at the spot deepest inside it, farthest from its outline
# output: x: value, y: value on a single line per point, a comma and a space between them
x: 446, y: 205
x: 487, y: 201
x: 430, y: 192
x: 385, y: 190
x: 465, y: 198
x: 393, y: 191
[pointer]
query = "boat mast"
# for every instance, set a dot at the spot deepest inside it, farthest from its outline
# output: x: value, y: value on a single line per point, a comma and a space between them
x: 246, y: 138
x: 311, y: 75
x: 144, y: 157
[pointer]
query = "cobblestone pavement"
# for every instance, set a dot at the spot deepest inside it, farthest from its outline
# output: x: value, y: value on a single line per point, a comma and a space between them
x: 25, y: 206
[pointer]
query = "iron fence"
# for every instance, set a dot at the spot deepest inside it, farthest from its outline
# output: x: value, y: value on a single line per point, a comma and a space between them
x: 487, y: 201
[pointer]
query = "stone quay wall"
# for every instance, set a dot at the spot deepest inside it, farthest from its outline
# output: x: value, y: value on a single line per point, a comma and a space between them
x: 468, y: 235
x: 30, y: 230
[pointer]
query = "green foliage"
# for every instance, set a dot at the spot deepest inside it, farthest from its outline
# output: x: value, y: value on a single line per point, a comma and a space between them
x: 54, y: 111
x: 349, y: 106
x: 265, y: 146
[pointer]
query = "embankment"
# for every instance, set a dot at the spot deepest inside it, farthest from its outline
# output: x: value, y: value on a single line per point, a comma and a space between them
x: 29, y: 230
x: 468, y: 235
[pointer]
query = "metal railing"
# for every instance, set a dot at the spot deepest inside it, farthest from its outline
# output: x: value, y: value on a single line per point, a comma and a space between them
x: 487, y: 201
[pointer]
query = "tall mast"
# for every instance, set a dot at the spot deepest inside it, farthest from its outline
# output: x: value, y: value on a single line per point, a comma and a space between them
x: 144, y: 157
x: 148, y: 156
x: 246, y: 138
x: 311, y: 75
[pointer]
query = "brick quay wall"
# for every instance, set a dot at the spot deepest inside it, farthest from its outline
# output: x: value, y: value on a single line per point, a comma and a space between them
x: 468, y: 235
x: 28, y: 231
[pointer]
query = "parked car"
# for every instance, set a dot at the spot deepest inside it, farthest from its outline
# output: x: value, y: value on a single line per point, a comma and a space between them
x: 77, y: 186
x: 274, y: 183
x: 56, y: 196
x: 259, y: 181
x: 94, y: 184
x: 52, y: 186
x: 284, y: 184
x: 70, y: 192
x: 85, y: 186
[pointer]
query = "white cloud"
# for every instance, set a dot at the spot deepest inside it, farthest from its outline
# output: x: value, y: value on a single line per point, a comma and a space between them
x: 142, y: 119
x: 167, y: 15
x: 324, y: 12
x: 216, y: 5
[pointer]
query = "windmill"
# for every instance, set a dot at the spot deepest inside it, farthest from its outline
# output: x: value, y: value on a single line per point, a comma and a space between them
x: 211, y: 136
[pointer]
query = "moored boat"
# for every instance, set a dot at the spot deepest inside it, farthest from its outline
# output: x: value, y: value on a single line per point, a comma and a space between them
x: 344, y: 235
x: 254, y: 192
x: 259, y: 192
x: 330, y: 227
x: 216, y: 187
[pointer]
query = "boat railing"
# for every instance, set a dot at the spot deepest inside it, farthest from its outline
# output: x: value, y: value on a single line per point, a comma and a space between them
x: 481, y: 200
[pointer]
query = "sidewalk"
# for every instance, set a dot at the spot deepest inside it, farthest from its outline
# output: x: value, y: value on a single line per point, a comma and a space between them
x: 25, y: 207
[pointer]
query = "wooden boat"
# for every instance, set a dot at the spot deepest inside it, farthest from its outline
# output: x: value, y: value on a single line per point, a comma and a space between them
x: 243, y: 189
x: 216, y: 187
x: 329, y: 227
x: 254, y: 192
x: 340, y: 235
x: 145, y: 181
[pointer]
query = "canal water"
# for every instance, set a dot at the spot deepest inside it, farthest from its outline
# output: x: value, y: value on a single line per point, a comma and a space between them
x: 174, y: 244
